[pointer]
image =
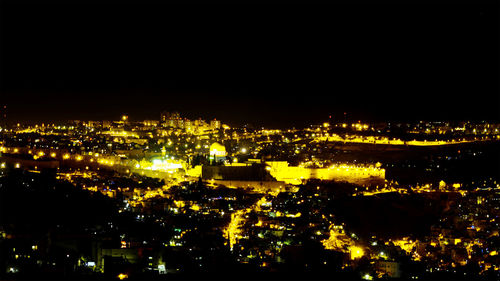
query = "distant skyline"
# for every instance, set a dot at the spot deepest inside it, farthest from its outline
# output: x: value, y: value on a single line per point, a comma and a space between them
x: 275, y: 66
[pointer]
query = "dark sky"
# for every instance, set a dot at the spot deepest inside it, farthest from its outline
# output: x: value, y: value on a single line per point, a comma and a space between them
x: 279, y: 65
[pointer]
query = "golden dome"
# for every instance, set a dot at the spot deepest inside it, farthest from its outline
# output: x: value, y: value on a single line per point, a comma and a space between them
x: 217, y: 149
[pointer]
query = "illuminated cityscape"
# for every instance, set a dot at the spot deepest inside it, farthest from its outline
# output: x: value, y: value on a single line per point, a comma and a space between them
x: 279, y: 143
x: 158, y: 197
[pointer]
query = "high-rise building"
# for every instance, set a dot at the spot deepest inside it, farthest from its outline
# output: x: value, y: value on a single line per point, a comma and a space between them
x: 165, y: 115
x: 170, y: 119
x: 215, y: 124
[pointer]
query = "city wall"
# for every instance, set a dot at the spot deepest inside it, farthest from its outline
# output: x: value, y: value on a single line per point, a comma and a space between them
x: 357, y: 174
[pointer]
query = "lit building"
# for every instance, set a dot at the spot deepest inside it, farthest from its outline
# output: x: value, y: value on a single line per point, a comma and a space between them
x: 390, y: 268
x: 217, y: 152
x: 170, y: 119
x: 215, y: 124
x: 106, y: 124
x: 188, y: 124
x: 180, y: 123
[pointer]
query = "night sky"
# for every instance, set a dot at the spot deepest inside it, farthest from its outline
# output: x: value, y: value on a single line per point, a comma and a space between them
x: 280, y: 65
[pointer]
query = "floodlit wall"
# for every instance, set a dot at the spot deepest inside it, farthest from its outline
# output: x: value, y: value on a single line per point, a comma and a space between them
x: 385, y: 140
x: 194, y: 172
x: 358, y: 174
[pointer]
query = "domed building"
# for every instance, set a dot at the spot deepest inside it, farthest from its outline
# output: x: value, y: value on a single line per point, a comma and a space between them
x: 218, y: 152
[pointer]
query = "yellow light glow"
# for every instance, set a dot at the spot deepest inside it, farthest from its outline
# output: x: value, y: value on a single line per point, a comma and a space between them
x: 297, y: 215
x: 232, y: 231
x: 179, y: 203
x: 405, y: 244
x: 122, y: 276
x: 367, y: 277
x: 356, y: 252
x: 66, y: 156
